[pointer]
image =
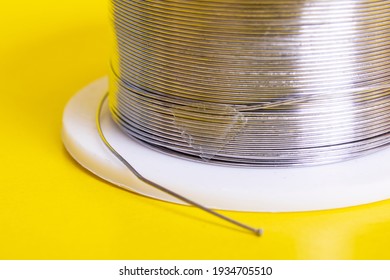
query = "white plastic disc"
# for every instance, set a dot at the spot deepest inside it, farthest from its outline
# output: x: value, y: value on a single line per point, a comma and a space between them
x: 349, y: 183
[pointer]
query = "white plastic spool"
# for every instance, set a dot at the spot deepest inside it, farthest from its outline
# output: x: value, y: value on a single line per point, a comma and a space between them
x: 349, y: 183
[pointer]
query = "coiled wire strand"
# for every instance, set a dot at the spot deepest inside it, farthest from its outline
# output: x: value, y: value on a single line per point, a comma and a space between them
x: 253, y: 83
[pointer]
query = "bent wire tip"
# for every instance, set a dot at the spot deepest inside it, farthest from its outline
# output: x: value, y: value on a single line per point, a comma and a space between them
x: 259, y: 232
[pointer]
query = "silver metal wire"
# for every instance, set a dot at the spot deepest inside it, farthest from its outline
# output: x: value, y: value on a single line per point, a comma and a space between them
x: 255, y: 83
x: 132, y: 169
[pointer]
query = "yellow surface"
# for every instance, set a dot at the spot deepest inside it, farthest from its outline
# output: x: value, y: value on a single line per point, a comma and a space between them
x: 51, y: 208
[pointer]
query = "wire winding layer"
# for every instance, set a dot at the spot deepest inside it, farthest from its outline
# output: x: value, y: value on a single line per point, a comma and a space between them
x: 256, y: 83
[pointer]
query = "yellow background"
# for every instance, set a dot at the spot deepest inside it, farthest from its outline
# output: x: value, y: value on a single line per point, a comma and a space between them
x: 51, y: 208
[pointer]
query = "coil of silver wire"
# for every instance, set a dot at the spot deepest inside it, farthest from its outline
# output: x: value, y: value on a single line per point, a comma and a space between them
x: 258, y: 83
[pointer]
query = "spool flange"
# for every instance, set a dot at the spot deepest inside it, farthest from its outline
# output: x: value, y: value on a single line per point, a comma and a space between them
x: 349, y: 183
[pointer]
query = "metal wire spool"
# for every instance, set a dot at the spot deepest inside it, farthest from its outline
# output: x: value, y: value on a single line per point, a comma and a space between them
x: 258, y: 83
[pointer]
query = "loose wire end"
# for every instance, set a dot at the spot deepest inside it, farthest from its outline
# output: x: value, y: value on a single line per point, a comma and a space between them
x: 258, y: 232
